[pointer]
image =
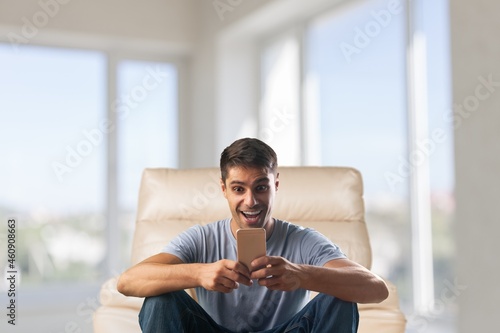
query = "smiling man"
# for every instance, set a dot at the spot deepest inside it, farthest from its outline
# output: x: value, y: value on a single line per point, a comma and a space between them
x: 273, y: 294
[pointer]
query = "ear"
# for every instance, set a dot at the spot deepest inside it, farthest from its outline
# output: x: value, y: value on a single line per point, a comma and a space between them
x: 223, y: 188
x: 277, y: 181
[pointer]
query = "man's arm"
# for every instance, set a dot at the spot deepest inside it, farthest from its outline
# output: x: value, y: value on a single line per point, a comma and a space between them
x: 163, y: 273
x: 341, y: 278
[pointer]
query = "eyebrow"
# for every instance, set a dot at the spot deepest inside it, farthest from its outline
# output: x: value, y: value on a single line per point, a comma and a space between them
x: 260, y: 180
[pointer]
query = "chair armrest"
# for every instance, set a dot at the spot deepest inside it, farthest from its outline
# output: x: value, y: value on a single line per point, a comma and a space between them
x: 111, y: 297
x: 385, y: 316
x: 117, y: 313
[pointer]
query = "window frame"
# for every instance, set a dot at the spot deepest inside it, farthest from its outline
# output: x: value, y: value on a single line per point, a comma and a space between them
x: 53, y: 298
x: 419, y: 178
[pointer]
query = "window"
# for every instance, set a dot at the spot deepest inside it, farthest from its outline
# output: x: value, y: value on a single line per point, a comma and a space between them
x: 373, y: 87
x: 432, y: 26
x: 53, y: 167
x: 357, y: 69
x: 74, y: 147
x: 279, y: 125
x: 146, y: 108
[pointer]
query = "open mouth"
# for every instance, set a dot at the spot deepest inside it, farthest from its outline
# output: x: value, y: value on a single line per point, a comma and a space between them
x: 251, y: 217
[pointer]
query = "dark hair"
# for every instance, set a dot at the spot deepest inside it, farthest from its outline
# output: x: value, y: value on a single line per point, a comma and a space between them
x: 248, y: 152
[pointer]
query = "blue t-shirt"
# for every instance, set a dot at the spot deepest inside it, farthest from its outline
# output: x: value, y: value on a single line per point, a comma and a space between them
x: 252, y: 308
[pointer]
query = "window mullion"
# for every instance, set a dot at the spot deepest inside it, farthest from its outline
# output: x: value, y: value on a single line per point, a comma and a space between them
x: 421, y: 222
x: 112, y: 229
x: 301, y: 40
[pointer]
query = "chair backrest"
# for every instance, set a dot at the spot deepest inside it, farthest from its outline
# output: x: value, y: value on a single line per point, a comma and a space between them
x: 328, y: 199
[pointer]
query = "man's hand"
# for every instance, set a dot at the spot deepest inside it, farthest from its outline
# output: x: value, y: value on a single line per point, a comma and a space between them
x: 223, y: 276
x: 341, y: 278
x: 277, y: 273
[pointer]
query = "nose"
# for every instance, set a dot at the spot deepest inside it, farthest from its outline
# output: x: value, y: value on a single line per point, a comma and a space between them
x: 250, y: 200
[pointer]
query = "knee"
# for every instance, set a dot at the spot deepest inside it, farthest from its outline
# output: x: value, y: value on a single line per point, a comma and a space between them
x: 166, y: 305
x: 336, y: 305
x: 344, y: 315
x: 157, y: 301
x: 167, y: 300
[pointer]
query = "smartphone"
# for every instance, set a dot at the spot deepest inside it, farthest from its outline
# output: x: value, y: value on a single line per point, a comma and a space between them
x: 251, y: 244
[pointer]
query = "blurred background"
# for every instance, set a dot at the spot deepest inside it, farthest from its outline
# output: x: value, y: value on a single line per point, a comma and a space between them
x: 92, y: 92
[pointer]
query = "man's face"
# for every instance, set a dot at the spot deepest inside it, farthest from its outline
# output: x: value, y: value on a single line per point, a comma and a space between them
x: 250, y: 193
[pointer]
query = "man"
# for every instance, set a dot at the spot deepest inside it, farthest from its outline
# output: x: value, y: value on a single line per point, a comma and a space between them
x: 272, y: 294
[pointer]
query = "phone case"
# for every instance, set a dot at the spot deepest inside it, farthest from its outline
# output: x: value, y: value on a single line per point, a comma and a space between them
x: 251, y: 244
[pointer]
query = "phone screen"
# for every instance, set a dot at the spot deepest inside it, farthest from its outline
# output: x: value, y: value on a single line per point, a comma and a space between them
x: 251, y: 244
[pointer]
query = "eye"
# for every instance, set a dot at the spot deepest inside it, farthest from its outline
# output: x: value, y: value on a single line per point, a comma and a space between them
x: 262, y: 188
x: 238, y: 189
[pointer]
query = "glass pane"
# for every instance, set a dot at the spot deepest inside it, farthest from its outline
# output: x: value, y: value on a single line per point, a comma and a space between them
x: 279, y: 114
x: 356, y: 99
x: 52, y: 168
x: 435, y: 20
x: 147, y: 134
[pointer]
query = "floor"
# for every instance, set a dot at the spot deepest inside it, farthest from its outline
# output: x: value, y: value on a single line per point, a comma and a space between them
x: 445, y: 323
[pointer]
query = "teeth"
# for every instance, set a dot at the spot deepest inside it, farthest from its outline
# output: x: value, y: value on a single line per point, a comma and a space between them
x: 251, y: 213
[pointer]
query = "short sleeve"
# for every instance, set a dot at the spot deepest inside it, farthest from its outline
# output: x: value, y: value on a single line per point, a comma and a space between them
x: 188, y: 245
x: 317, y: 249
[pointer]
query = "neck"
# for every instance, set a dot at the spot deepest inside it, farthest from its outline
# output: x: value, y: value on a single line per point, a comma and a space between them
x: 269, y: 227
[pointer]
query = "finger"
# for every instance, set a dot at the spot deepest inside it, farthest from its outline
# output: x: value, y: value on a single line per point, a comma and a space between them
x: 244, y: 280
x: 237, y: 277
x: 242, y: 270
x: 260, y: 262
x: 265, y: 272
x: 259, y: 274
x: 237, y: 267
x: 266, y: 261
x: 227, y: 283
x: 270, y: 283
x: 223, y: 289
x: 238, y: 272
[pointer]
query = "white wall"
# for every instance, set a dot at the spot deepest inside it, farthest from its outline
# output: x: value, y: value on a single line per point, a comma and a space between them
x: 225, y: 63
x: 475, y: 28
x: 170, y: 23
x: 207, y: 123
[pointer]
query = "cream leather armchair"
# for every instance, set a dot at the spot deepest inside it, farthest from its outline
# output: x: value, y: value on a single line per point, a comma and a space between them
x: 328, y: 199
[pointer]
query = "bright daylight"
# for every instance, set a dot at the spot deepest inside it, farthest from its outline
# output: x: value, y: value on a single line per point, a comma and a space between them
x: 249, y: 166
